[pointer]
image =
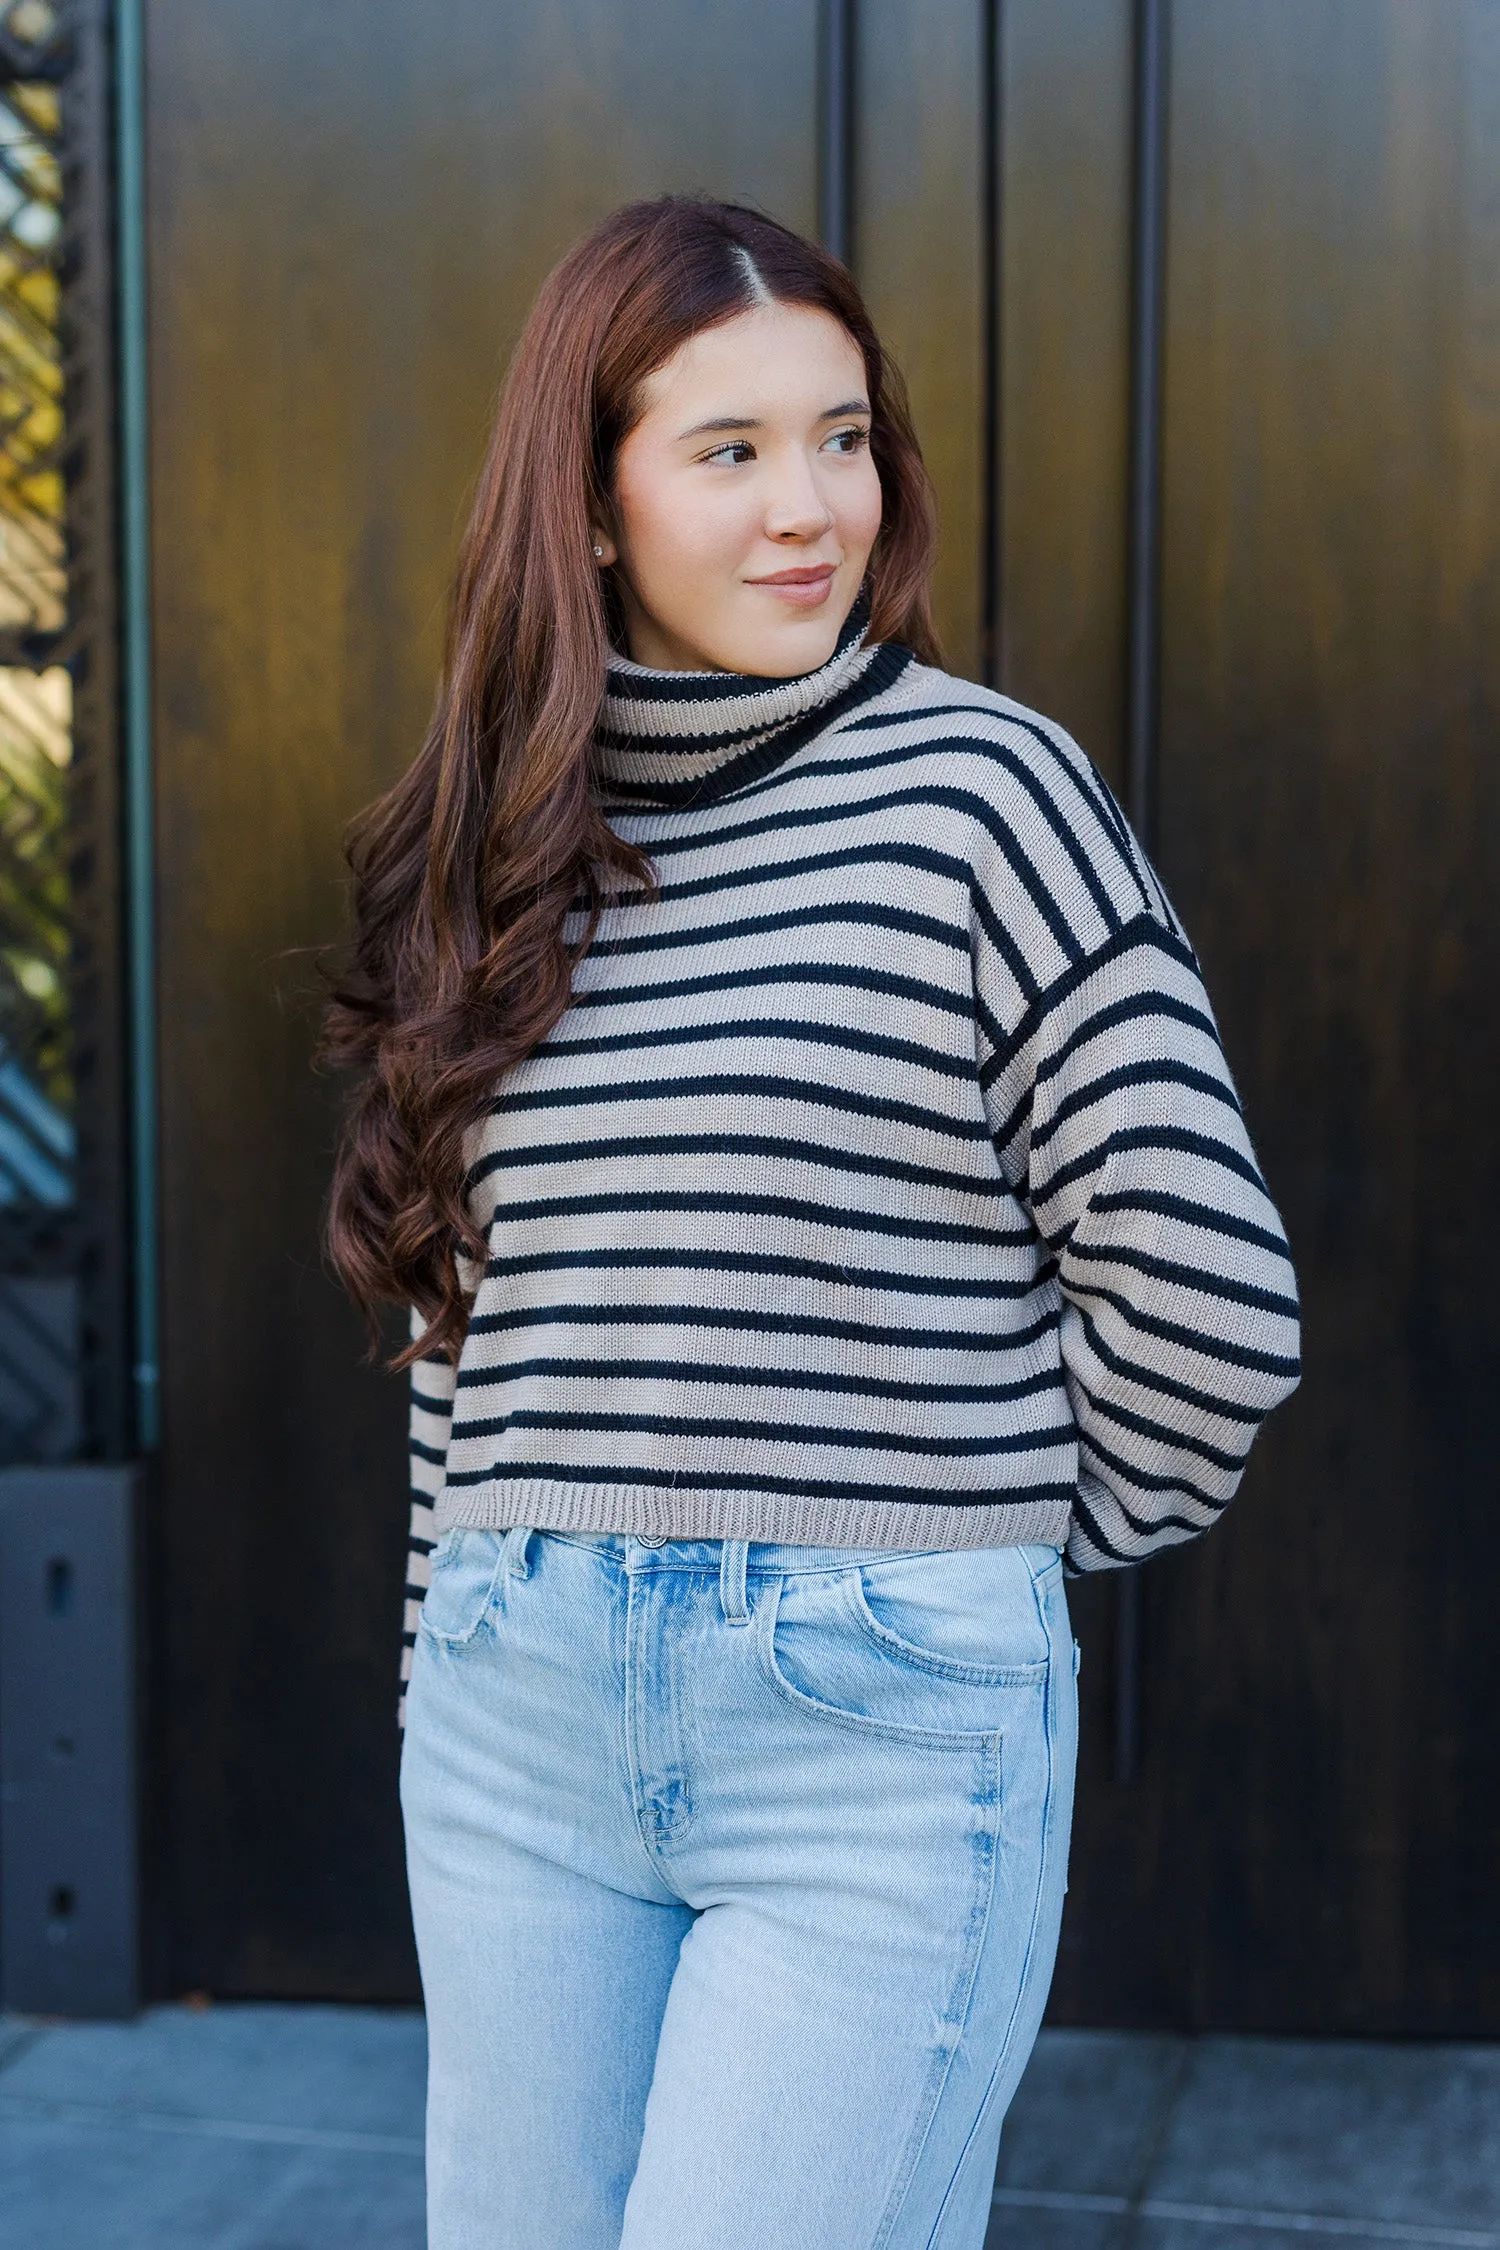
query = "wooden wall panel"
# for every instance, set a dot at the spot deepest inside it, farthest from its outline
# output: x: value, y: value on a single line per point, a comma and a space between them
x: 1314, y: 1844
x: 1331, y: 827
x: 1064, y: 362
x: 350, y: 207
x: 924, y: 94
x: 349, y: 210
x: 1060, y: 524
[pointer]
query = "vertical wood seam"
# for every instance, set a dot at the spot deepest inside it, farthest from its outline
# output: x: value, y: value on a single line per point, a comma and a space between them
x: 1143, y: 616
x: 992, y: 435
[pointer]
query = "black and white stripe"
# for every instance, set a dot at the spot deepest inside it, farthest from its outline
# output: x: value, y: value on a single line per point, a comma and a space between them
x: 885, y: 1183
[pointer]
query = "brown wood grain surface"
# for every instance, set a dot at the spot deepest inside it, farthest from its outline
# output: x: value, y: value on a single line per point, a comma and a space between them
x: 1315, y: 1841
x: 349, y: 210
x: 1064, y: 136
x: 920, y: 249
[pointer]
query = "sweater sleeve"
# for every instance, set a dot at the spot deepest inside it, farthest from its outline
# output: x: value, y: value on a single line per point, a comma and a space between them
x: 1117, y: 1123
x: 431, y: 1412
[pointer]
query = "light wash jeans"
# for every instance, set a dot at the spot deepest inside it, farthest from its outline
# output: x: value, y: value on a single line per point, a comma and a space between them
x: 736, y: 1877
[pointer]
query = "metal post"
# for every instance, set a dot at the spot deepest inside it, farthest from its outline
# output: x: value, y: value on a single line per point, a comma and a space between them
x: 136, y: 634
x: 1143, y: 648
x: 836, y: 60
x: 1148, y: 293
x: 69, y: 1859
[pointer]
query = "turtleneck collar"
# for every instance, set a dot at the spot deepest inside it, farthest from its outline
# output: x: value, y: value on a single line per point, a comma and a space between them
x: 682, y: 738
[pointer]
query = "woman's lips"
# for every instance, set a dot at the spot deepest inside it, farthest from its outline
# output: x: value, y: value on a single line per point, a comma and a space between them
x: 804, y: 589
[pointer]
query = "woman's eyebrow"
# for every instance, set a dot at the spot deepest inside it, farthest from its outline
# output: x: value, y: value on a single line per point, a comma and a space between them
x: 720, y: 422
x: 723, y: 422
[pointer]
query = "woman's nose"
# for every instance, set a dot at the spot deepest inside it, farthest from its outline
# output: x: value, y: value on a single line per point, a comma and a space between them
x: 798, y: 509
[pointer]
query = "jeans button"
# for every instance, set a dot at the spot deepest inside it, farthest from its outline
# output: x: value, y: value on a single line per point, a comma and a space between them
x: 648, y: 1539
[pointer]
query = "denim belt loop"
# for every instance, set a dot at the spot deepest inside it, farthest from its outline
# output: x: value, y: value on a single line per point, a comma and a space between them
x: 515, y: 1543
x: 733, y: 1561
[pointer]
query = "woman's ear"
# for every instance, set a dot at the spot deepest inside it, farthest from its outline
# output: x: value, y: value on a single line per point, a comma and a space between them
x: 605, y: 550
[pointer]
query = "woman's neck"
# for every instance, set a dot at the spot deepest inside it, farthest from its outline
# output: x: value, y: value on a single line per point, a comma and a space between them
x: 681, y: 737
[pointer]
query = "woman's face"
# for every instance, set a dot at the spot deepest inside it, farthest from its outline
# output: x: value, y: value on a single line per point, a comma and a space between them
x: 746, y: 502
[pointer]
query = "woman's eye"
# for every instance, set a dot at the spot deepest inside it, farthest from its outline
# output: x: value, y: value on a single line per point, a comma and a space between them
x: 849, y: 441
x: 738, y: 450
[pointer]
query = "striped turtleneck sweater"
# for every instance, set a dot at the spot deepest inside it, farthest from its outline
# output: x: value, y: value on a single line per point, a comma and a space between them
x: 884, y: 1184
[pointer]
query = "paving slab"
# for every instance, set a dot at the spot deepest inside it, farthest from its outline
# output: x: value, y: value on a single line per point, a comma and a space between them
x: 1217, y: 2233
x: 1378, y: 2131
x: 1118, y: 2142
x: 350, y: 2069
x: 16, y: 2032
x: 1064, y: 2222
x: 72, y: 2186
x: 1032, y: 2223
x: 299, y: 2128
x: 231, y: 2128
x: 1090, y: 2111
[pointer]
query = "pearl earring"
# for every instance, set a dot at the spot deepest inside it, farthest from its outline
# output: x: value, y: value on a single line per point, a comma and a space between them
x: 599, y: 551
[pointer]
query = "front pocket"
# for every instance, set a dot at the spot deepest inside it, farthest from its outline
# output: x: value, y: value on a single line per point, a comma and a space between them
x: 821, y: 1650
x: 464, y: 1584
x: 966, y: 1613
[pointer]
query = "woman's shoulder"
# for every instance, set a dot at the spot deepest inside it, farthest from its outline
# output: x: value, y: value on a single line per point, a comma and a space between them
x: 1010, y: 795
x: 1018, y: 775
x: 943, y: 710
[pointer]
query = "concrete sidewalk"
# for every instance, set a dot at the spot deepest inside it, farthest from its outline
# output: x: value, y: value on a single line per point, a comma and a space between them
x: 286, y: 2128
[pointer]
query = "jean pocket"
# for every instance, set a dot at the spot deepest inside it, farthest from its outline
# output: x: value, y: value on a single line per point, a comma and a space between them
x: 823, y: 1649
x: 965, y: 1613
x: 464, y: 1584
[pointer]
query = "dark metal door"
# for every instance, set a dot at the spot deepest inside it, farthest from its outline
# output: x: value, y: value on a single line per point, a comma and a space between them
x: 1312, y: 1840
x: 349, y: 209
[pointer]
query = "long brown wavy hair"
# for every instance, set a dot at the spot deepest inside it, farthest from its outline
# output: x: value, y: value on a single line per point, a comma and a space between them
x: 463, y: 873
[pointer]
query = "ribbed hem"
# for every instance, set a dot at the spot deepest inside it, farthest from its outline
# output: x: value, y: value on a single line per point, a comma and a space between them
x: 657, y: 1512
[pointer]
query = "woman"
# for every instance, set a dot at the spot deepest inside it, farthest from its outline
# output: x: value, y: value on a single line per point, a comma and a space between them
x: 793, y: 1110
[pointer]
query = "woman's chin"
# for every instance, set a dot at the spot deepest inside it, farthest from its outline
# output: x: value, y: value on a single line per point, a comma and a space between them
x: 781, y: 648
